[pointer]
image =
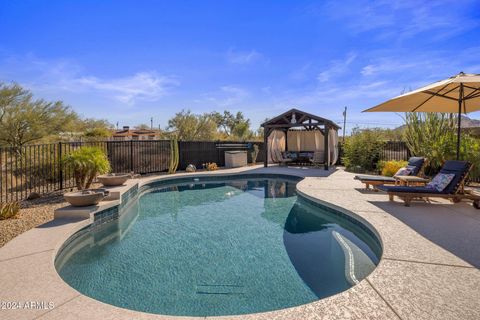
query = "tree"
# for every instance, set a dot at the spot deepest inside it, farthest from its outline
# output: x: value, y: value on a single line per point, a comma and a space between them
x: 93, y: 129
x: 24, y: 120
x: 142, y: 126
x: 233, y: 126
x: 189, y: 126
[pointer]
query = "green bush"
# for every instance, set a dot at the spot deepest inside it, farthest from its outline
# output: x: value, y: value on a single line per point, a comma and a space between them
x: 86, y: 163
x: 9, y: 210
x: 362, y: 150
x: 389, y: 168
x: 434, y: 136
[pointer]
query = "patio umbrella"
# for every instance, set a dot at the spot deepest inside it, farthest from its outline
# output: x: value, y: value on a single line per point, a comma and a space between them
x: 457, y: 94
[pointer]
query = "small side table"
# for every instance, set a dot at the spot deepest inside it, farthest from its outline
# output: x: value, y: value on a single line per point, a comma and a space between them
x: 411, y: 180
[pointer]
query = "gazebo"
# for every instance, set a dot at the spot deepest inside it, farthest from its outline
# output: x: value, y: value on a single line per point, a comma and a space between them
x: 296, y: 132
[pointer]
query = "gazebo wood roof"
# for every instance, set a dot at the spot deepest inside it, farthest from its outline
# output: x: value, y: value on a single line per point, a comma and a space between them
x: 302, y: 119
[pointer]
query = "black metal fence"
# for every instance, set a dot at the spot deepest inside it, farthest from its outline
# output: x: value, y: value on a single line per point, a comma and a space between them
x: 38, y: 168
x: 395, y: 150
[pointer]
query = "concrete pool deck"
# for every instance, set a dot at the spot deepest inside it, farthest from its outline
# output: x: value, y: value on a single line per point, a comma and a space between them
x: 429, y: 268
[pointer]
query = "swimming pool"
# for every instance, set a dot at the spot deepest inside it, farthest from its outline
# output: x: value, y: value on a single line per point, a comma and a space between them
x: 206, y: 247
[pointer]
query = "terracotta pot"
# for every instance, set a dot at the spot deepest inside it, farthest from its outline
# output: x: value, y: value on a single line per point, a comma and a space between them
x: 113, y: 179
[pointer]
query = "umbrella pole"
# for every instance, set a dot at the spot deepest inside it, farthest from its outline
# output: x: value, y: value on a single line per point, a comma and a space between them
x: 460, y: 100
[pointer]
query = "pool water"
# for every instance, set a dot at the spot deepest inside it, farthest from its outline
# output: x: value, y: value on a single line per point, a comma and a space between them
x: 219, y: 248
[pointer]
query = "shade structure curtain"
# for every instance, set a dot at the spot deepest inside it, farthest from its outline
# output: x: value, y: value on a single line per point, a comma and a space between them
x: 333, y: 146
x: 308, y: 141
x: 313, y: 141
x: 319, y: 141
x: 294, y: 140
x: 276, y: 142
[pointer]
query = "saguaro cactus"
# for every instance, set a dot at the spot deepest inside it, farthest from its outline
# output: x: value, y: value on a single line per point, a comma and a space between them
x: 173, y: 156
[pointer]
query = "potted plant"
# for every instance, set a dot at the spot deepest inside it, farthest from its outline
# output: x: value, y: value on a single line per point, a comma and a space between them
x: 86, y: 163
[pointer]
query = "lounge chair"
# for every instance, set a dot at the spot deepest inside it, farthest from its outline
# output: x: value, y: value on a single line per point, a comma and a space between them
x: 280, y: 159
x: 416, y: 163
x: 453, y: 191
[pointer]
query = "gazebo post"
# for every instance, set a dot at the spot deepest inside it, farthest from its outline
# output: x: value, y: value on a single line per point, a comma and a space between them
x: 326, y: 147
x: 266, y: 132
x: 286, y: 141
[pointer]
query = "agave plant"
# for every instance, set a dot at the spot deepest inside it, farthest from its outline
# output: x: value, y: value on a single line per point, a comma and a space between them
x: 86, y: 163
x: 9, y: 210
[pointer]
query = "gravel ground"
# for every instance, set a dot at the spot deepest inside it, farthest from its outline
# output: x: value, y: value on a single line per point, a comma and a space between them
x: 32, y: 213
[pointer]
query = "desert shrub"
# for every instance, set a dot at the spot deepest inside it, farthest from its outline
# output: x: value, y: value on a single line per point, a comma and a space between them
x: 389, y: 168
x: 210, y: 166
x: 362, y: 150
x: 431, y: 135
x: 434, y: 136
x: 254, y: 153
x: 86, y: 163
x: 9, y: 210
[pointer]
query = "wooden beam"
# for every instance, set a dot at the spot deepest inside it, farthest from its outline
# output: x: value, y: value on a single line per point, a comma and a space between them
x: 286, y: 140
x: 291, y: 125
x: 302, y: 119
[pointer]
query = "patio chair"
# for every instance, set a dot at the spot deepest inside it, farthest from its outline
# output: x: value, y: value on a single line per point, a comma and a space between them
x: 454, y: 190
x: 416, y: 164
x: 280, y: 159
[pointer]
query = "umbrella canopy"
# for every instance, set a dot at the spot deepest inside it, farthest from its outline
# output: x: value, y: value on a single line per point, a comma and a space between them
x: 457, y: 94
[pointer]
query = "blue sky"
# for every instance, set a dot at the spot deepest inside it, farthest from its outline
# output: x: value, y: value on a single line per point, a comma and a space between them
x: 127, y: 61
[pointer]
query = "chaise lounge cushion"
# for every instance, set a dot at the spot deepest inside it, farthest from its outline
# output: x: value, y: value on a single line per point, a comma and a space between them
x: 459, y: 168
x: 415, y: 163
x: 406, y: 189
x: 374, y: 178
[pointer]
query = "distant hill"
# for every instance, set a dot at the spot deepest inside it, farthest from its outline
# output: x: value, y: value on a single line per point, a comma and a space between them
x: 470, y: 123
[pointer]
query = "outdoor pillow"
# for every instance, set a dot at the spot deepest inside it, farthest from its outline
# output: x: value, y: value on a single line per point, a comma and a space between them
x: 292, y: 155
x: 403, y: 172
x: 441, y: 181
x: 412, y: 169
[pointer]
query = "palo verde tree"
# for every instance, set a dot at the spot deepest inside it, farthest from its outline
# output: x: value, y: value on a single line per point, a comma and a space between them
x: 24, y: 119
x: 232, y: 126
x: 190, y: 126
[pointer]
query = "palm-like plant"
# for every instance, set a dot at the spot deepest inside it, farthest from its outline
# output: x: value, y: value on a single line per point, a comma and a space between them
x: 86, y: 163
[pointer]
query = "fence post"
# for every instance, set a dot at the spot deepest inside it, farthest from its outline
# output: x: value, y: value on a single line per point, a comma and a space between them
x: 131, y: 156
x: 60, y: 167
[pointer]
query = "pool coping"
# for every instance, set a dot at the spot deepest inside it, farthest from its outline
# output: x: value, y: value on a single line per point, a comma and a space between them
x: 364, y: 300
